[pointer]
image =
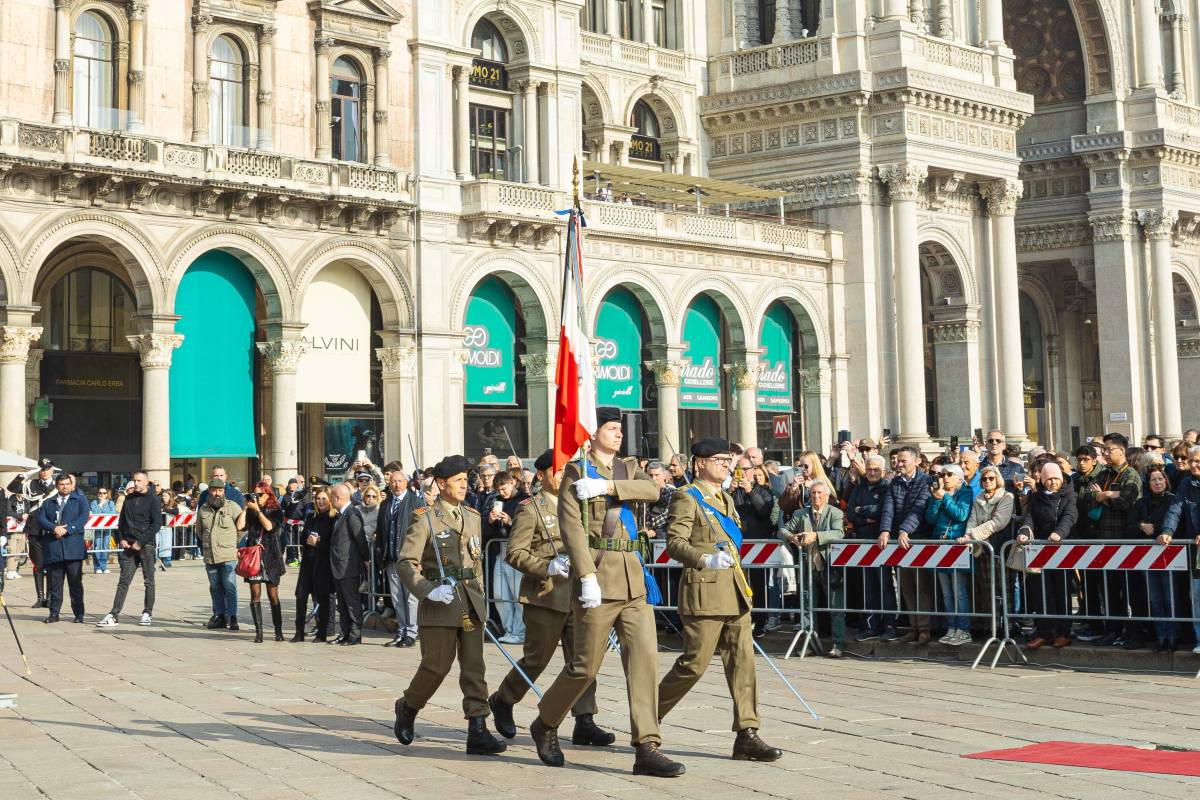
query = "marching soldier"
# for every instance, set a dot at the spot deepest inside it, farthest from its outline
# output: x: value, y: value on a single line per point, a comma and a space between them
x: 605, y: 557
x: 439, y: 563
x: 535, y: 547
x: 704, y: 534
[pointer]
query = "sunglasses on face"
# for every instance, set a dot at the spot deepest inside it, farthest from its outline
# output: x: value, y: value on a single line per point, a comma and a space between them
x: 987, y: 478
x: 995, y: 441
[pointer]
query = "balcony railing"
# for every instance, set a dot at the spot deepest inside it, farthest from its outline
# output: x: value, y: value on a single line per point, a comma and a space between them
x: 753, y: 66
x: 635, y: 55
x: 516, y: 199
x: 148, y: 154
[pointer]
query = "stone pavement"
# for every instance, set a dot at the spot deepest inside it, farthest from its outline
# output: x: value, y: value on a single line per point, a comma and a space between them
x: 177, y: 711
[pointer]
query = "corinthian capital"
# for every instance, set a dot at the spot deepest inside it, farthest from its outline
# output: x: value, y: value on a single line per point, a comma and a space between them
x: 155, y: 348
x: 904, y: 181
x: 15, y: 342
x: 1158, y: 223
x: 1002, y: 196
x: 283, y: 355
x: 667, y: 372
x: 396, y: 360
x: 745, y: 376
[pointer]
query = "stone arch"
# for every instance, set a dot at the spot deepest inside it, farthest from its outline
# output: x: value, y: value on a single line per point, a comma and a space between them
x: 728, y: 298
x: 534, y: 295
x: 1184, y: 285
x: 649, y: 293
x: 806, y: 311
x: 1095, y: 25
x: 664, y: 104
x: 943, y: 256
x: 259, y: 256
x: 1043, y: 300
x: 373, y: 263
x: 597, y: 105
x: 518, y: 30
x: 139, y: 257
x: 10, y: 272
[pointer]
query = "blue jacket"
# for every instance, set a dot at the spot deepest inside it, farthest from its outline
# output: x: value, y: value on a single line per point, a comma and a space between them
x: 948, y: 515
x: 904, y: 506
x: 1183, y: 516
x: 74, y: 516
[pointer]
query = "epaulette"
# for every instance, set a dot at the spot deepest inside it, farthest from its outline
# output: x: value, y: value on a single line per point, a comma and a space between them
x: 527, y: 501
x: 420, y: 510
x: 468, y: 508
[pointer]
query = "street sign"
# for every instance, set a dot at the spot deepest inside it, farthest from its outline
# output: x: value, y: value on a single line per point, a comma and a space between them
x: 782, y: 425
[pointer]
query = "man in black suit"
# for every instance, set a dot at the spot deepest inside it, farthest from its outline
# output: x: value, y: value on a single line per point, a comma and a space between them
x: 348, y: 549
x: 395, y: 512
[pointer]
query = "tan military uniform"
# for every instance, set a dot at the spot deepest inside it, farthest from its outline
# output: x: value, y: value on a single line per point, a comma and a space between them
x: 535, y: 540
x: 713, y: 605
x: 456, y: 529
x: 623, y: 605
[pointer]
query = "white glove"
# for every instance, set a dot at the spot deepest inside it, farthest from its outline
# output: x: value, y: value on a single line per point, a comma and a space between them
x: 587, y: 488
x: 721, y: 560
x: 560, y: 567
x: 589, y: 594
x: 3, y: 541
x: 442, y: 594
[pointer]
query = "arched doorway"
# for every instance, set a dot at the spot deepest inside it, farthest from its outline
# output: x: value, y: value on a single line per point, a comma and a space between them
x: 1187, y: 321
x: 790, y: 382
x: 952, y: 394
x: 712, y: 335
x: 622, y: 346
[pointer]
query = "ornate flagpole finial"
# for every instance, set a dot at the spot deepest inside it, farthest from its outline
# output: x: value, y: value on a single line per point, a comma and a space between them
x: 575, y: 180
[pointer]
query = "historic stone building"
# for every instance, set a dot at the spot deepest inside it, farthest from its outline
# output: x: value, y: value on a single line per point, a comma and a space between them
x: 277, y: 232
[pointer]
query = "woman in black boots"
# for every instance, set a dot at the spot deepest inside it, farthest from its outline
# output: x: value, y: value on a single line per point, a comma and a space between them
x: 262, y: 520
x: 316, y: 575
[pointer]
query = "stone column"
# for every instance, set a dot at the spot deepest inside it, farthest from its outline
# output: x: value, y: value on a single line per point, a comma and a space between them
x: 549, y: 136
x: 1001, y: 198
x: 266, y: 87
x: 462, y: 124
x: 383, y: 155
x: 647, y: 22
x: 33, y: 388
x: 1149, y: 44
x: 282, y: 357
x: 816, y: 387
x: 1158, y: 226
x: 1057, y: 418
x: 916, y: 13
x: 529, y: 129
x: 62, y: 62
x: 1120, y: 320
x: 783, y: 22
x: 323, y: 101
x: 745, y: 386
x: 200, y: 25
x: 956, y: 351
x: 993, y: 23
x: 905, y: 182
x: 1189, y: 371
x: 398, y: 362
x: 156, y: 350
x: 945, y: 19
x: 667, y: 373
x: 896, y: 9
x: 137, y: 65
x: 1178, y: 85
x: 540, y: 390
x: 15, y: 341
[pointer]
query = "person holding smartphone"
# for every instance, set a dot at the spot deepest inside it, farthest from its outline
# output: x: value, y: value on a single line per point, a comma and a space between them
x: 505, y: 579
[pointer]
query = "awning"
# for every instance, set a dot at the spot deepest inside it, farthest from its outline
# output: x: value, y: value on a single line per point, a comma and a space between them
x: 667, y: 187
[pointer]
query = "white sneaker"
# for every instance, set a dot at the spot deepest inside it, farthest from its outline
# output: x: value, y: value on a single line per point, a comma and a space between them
x: 109, y: 621
x: 773, y: 624
x: 145, y: 619
x: 964, y: 637
x: 1196, y: 649
x: 951, y: 637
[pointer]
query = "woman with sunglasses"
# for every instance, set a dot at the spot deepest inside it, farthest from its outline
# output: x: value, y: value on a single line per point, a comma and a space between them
x: 102, y: 538
x: 262, y: 520
x: 316, y: 576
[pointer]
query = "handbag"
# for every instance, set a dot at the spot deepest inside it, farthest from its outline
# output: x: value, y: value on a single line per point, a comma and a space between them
x: 1018, y: 561
x: 249, y: 562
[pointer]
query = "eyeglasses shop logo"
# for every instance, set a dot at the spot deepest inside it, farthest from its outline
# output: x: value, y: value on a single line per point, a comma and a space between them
x: 702, y: 375
x: 774, y: 379
x: 606, y: 350
x: 479, y: 354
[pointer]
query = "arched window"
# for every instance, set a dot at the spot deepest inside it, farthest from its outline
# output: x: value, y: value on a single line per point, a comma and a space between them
x: 487, y: 39
x: 347, y: 111
x: 90, y: 311
x: 644, y: 144
x: 227, y: 89
x: 94, y: 72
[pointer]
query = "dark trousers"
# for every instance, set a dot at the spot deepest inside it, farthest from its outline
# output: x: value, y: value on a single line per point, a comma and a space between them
x: 130, y: 560
x: 350, y: 612
x: 73, y: 572
x: 1047, y: 593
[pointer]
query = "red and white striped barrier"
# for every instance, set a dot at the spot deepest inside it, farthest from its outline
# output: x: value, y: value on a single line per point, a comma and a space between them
x: 753, y: 554
x: 100, y: 522
x: 1153, y: 557
x: 917, y: 556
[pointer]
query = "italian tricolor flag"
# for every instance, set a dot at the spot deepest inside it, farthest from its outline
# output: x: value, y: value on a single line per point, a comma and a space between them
x: 575, y: 398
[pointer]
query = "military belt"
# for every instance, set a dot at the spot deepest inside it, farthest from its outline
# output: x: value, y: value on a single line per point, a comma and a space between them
x: 614, y: 544
x: 458, y: 573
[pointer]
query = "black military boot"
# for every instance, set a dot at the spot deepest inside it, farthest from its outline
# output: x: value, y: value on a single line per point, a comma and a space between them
x: 405, y: 719
x: 299, y: 635
x: 588, y: 733
x: 216, y: 621
x: 277, y: 620
x: 39, y: 585
x: 502, y: 713
x: 545, y: 739
x: 651, y: 761
x: 256, y: 615
x: 748, y: 747
x: 480, y: 741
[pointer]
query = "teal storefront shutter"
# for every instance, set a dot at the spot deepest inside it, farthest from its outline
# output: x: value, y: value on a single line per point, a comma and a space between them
x: 212, y: 373
x: 701, y: 384
x: 775, y: 384
x: 618, y: 344
x: 491, y: 338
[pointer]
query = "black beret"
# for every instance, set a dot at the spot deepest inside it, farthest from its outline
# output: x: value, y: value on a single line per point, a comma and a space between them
x: 545, y: 461
x: 450, y: 466
x: 607, y: 414
x: 707, y: 448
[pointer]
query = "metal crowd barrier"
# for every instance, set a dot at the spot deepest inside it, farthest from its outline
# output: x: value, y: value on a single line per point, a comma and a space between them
x: 1128, y: 584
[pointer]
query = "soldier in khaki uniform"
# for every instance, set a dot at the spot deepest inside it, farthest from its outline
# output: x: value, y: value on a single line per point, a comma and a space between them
x: 703, y: 534
x: 451, y: 595
x: 612, y: 594
x: 535, y: 547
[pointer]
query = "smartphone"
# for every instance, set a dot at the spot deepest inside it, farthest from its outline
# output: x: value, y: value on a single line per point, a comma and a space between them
x: 979, y: 435
x: 887, y: 433
x: 737, y: 474
x: 498, y: 506
x: 843, y: 437
x: 954, y: 444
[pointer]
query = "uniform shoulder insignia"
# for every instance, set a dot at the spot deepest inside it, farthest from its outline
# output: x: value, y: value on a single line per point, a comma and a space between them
x: 420, y: 510
x: 470, y: 510
x: 527, y: 501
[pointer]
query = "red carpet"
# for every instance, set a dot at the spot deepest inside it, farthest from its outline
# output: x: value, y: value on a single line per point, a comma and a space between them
x: 1101, y: 756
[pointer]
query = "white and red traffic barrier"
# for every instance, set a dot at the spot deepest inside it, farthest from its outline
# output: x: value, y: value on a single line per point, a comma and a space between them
x: 753, y: 554
x: 100, y: 522
x: 917, y: 556
x: 1140, y: 557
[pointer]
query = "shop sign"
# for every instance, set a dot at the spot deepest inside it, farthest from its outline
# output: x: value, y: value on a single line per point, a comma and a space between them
x: 700, y: 384
x: 490, y: 341
x: 617, y: 347
x: 775, y: 382
x: 336, y: 365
